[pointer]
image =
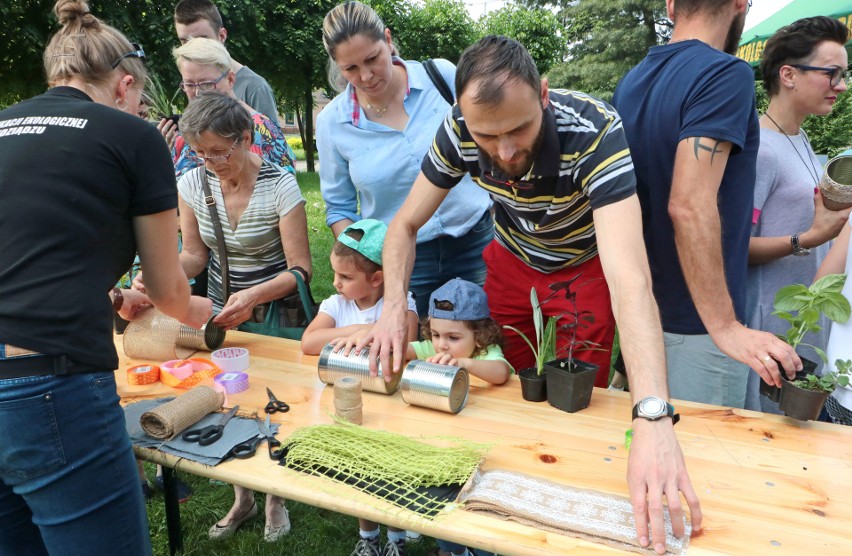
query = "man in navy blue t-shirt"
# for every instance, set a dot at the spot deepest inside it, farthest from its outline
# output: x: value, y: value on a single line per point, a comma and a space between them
x: 690, y: 120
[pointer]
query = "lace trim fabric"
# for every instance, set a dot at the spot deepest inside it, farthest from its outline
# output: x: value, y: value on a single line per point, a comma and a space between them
x: 591, y: 515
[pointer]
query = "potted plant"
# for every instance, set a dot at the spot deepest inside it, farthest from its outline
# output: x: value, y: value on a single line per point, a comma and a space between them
x: 533, y: 385
x: 803, y: 399
x: 570, y: 381
x: 801, y: 306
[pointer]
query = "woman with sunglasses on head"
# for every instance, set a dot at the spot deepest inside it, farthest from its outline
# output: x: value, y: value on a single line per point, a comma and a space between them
x: 205, y: 66
x: 372, y: 138
x: 265, y: 232
x: 804, y: 69
x: 84, y: 185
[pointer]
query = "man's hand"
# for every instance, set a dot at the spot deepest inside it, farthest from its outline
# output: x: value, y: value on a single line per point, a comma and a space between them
x: 389, y: 337
x: 655, y: 468
x: 759, y: 350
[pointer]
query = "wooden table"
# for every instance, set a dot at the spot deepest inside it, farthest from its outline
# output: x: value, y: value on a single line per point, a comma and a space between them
x: 767, y: 484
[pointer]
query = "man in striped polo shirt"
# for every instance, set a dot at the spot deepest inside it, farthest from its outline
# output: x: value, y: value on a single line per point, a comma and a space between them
x: 557, y: 166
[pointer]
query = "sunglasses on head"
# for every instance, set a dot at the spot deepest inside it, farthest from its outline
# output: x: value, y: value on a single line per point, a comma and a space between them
x: 137, y: 52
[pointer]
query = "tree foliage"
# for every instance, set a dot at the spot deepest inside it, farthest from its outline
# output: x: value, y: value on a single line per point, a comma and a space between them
x: 538, y: 29
x: 605, y: 39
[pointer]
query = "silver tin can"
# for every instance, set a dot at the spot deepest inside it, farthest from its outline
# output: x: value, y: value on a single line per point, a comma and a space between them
x: 209, y: 337
x: 335, y: 365
x: 435, y: 386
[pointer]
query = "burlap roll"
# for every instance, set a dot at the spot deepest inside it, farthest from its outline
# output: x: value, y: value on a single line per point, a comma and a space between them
x: 347, y: 399
x: 170, y: 419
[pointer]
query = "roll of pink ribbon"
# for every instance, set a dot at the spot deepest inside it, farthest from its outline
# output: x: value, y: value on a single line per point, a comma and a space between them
x: 178, y: 368
x: 231, y: 383
x: 231, y: 359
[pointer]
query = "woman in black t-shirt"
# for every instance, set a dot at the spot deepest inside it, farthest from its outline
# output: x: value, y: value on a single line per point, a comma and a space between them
x: 83, y: 187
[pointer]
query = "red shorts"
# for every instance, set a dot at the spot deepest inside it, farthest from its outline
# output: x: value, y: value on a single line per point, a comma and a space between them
x: 508, y: 284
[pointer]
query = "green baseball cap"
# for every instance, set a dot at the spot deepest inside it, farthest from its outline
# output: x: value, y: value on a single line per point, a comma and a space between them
x: 370, y: 244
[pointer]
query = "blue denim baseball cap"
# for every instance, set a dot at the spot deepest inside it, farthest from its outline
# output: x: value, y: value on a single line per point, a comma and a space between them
x: 371, y: 243
x: 469, y: 301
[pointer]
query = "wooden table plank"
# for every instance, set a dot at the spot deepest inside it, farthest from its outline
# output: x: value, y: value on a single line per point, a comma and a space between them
x: 768, y: 484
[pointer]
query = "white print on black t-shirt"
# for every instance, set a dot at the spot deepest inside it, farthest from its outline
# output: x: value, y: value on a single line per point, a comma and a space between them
x: 38, y: 124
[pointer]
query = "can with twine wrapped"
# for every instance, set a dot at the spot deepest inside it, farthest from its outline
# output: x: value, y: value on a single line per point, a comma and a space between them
x: 435, y: 386
x: 154, y: 335
x: 334, y: 365
x: 836, y: 183
x: 347, y: 399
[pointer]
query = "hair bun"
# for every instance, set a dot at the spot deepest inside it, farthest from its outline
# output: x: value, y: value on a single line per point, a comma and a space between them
x: 70, y: 11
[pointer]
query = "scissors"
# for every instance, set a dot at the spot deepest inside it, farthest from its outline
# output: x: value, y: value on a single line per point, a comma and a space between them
x: 275, y: 451
x: 211, y: 433
x: 274, y: 404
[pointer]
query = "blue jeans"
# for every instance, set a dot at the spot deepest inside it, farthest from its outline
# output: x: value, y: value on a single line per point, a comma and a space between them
x: 68, y: 478
x: 440, y: 260
x: 456, y: 548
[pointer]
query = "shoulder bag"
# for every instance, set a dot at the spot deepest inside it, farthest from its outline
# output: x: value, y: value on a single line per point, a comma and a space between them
x: 439, y: 81
x: 286, y: 317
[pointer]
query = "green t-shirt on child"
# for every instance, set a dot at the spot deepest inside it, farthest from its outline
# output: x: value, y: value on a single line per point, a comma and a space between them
x: 426, y: 349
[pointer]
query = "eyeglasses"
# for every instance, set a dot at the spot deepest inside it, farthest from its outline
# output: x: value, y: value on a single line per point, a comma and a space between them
x: 204, y: 86
x: 218, y: 158
x: 137, y: 52
x: 512, y: 184
x: 835, y: 74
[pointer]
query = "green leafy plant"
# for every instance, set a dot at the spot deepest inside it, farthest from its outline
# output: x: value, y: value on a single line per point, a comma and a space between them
x: 801, y: 307
x: 830, y: 380
x: 545, y: 334
x: 161, y: 103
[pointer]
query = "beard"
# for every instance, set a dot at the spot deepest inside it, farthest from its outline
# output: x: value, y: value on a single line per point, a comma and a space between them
x: 528, y: 156
x: 735, y: 33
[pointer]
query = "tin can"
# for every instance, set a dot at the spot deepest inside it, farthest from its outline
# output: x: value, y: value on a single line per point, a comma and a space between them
x: 334, y: 365
x: 435, y: 386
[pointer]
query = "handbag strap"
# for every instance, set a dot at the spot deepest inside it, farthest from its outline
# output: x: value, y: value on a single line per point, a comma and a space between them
x: 439, y: 81
x: 210, y: 201
x: 304, y: 292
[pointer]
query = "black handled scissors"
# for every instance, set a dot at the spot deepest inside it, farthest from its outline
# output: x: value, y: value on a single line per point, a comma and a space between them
x: 274, y: 405
x: 211, y: 433
x: 275, y: 451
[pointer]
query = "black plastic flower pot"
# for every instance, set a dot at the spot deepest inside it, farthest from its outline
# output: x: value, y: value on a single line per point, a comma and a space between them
x: 570, y: 383
x: 773, y: 392
x: 533, y: 386
x: 801, y: 404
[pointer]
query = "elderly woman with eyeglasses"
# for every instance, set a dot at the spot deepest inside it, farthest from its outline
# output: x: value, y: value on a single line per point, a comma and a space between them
x: 803, y: 66
x: 262, y: 214
x: 205, y: 66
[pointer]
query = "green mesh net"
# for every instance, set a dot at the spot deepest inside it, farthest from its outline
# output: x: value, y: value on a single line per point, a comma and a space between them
x: 423, y: 478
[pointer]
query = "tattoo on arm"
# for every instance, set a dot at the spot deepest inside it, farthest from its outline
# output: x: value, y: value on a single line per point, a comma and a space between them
x: 697, y: 145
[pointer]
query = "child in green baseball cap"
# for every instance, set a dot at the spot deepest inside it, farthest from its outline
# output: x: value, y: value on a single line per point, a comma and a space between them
x: 356, y: 258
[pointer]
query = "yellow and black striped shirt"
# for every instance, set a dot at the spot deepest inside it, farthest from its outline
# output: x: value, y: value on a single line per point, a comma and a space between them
x: 583, y: 164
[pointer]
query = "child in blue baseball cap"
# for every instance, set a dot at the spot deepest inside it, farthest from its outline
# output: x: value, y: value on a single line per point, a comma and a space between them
x: 356, y: 258
x: 459, y: 331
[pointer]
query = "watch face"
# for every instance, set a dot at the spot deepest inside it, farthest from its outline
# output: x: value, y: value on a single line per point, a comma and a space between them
x: 652, y: 407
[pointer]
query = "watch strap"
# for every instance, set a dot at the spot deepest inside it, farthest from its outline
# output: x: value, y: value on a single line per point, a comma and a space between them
x: 117, y: 299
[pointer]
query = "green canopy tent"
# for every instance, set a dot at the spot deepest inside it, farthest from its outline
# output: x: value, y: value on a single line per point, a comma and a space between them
x: 754, y: 39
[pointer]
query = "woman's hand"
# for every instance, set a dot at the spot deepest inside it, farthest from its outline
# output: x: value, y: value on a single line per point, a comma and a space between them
x: 237, y: 310
x: 826, y: 226
x: 168, y: 129
x: 138, y: 284
x: 134, y: 303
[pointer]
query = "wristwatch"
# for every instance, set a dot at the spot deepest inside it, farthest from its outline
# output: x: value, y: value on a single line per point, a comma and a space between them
x: 798, y: 250
x: 653, y: 409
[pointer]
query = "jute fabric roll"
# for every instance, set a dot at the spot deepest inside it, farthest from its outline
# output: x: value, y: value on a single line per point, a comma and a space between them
x: 172, y: 418
x: 347, y: 399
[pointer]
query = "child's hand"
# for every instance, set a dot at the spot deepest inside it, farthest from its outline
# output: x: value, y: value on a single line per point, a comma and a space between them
x: 444, y: 358
x: 346, y: 344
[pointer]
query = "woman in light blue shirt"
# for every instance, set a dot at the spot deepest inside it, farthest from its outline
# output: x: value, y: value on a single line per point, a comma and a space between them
x: 372, y: 138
